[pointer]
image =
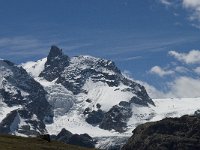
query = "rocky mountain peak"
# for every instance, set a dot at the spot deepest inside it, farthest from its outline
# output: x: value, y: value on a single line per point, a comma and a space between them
x: 54, y: 52
x: 56, y: 62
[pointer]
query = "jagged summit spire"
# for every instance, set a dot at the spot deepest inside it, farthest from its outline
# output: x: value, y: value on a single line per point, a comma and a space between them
x: 55, y: 51
x: 55, y: 64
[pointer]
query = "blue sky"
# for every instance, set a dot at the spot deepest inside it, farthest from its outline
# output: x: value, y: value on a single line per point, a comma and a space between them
x: 137, y: 34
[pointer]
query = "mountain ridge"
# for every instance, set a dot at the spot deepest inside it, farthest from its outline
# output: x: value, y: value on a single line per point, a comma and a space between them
x: 82, y: 74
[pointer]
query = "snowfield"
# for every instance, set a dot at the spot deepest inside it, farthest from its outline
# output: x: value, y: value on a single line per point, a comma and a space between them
x: 68, y: 108
x: 34, y: 68
x: 101, y: 93
x: 173, y: 107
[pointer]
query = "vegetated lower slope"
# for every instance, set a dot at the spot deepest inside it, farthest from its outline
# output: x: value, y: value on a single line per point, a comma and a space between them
x: 9, y: 142
x: 168, y: 134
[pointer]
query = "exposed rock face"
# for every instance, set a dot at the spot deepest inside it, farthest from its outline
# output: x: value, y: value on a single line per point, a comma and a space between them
x: 197, y: 113
x: 67, y: 137
x: 117, y: 117
x: 56, y: 62
x: 18, y: 89
x: 64, y: 136
x: 83, y: 140
x: 167, y: 134
x: 95, y: 117
x: 30, y: 126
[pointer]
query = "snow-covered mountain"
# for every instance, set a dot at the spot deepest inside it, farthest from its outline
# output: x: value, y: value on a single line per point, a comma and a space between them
x: 24, y: 107
x: 82, y: 94
x: 91, y: 88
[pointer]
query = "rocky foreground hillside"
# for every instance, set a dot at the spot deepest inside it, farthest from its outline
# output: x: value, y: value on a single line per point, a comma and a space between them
x: 168, y: 134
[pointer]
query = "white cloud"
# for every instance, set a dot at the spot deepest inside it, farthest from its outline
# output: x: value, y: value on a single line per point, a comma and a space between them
x: 181, y: 69
x: 152, y: 91
x: 192, y: 57
x: 194, y: 6
x: 181, y: 87
x: 197, y: 70
x: 184, y: 87
x: 191, y: 6
x: 161, y: 72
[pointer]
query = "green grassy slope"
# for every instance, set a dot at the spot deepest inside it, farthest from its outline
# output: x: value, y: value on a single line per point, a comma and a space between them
x: 8, y: 142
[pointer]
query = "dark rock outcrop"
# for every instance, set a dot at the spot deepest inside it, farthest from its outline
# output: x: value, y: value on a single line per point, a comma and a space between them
x: 95, y: 117
x: 83, y: 140
x: 64, y: 136
x: 116, y: 118
x: 55, y: 64
x: 167, y: 134
x: 4, y: 125
x: 19, y: 80
x: 67, y: 137
x: 19, y: 89
x: 12, y: 121
x: 197, y: 113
